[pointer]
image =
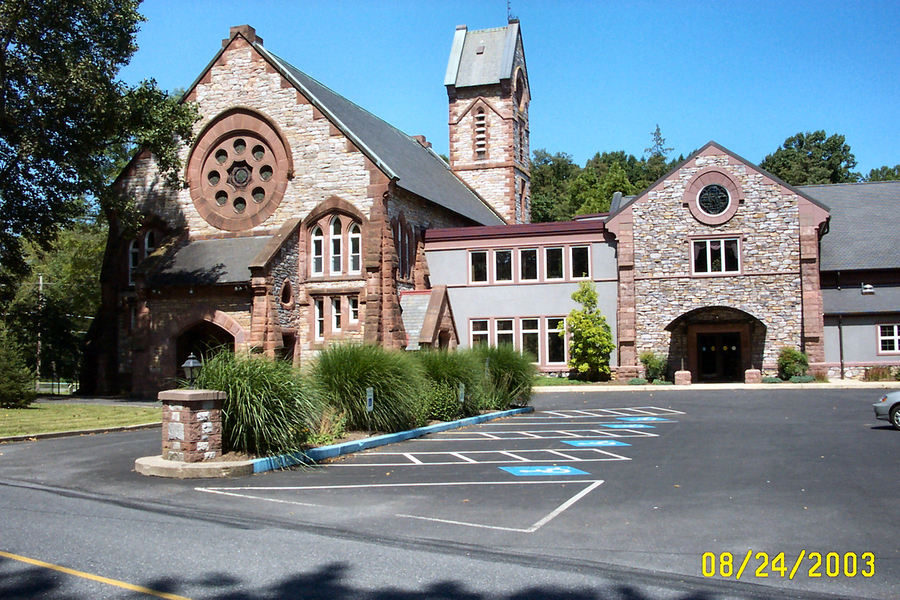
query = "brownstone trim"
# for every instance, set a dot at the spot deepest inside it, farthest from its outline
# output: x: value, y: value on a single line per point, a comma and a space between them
x: 712, y: 176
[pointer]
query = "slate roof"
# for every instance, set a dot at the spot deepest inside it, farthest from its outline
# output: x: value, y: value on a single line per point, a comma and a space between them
x: 414, y: 306
x: 207, y: 262
x: 850, y: 301
x: 417, y: 169
x: 864, y: 230
x: 482, y: 56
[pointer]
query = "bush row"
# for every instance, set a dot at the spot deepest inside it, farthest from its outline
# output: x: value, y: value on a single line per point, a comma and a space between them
x: 272, y: 408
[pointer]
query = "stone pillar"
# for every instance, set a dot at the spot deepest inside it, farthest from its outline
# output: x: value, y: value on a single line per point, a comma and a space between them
x: 682, y: 378
x: 752, y: 376
x: 192, y: 425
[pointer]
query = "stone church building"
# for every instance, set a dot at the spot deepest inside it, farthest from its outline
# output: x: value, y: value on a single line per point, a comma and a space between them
x: 305, y: 220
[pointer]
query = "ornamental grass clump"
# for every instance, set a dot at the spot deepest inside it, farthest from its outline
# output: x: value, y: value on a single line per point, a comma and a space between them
x: 446, y: 370
x: 342, y: 373
x: 508, y: 375
x: 269, y: 409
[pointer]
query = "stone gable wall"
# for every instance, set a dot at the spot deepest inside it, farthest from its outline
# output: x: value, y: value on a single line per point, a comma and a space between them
x: 769, y: 287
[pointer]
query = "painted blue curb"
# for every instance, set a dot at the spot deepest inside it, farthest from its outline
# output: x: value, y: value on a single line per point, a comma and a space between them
x: 314, y: 455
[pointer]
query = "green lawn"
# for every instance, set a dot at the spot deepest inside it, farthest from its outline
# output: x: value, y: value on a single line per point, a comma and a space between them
x: 48, y: 418
x: 545, y: 380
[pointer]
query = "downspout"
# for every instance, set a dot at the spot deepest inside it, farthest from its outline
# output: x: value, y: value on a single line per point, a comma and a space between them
x: 841, y: 341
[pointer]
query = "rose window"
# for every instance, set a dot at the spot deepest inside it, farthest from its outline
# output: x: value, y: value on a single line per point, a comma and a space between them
x: 238, y: 171
x: 713, y: 199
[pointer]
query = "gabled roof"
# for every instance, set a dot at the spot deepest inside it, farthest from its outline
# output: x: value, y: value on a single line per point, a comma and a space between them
x: 864, y: 226
x: 482, y: 56
x: 401, y: 157
x: 629, y: 200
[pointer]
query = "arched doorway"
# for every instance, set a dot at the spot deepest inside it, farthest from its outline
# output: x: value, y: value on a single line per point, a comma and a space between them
x: 203, y: 339
x: 716, y: 343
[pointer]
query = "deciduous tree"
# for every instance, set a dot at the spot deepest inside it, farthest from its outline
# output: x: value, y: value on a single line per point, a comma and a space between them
x: 812, y: 158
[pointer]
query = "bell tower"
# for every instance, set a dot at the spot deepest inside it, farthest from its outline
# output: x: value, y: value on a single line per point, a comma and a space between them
x: 488, y: 92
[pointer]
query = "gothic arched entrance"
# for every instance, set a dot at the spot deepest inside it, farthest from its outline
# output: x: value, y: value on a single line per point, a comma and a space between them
x: 716, y: 344
x: 203, y: 339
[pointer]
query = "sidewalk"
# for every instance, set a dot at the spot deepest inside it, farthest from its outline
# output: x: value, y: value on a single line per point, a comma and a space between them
x: 845, y: 384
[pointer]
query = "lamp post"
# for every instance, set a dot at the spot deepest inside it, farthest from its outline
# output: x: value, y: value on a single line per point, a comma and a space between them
x: 191, y: 369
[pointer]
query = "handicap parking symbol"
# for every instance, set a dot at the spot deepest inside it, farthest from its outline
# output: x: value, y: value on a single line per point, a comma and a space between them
x: 594, y: 443
x: 543, y: 470
x: 640, y: 419
x: 626, y: 426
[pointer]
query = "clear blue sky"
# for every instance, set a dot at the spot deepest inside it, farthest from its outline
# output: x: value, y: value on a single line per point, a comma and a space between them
x: 603, y: 74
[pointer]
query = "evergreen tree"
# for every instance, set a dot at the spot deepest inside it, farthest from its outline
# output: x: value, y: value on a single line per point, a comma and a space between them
x: 590, y: 338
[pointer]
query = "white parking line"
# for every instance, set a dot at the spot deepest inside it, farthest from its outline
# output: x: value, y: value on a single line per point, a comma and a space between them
x: 514, y: 455
x: 471, y: 457
x: 412, y: 458
x: 451, y: 436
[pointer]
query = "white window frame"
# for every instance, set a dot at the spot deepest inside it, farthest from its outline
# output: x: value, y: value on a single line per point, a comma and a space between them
x: 319, y: 323
x: 335, y: 246
x: 562, y: 257
x: 336, y: 314
x: 536, y: 330
x: 537, y: 264
x: 565, y: 339
x: 313, y: 239
x: 353, y: 309
x: 895, y: 338
x: 149, y: 247
x: 512, y: 270
x: 487, y: 267
x: 486, y: 334
x: 572, y: 261
x: 509, y: 332
x: 708, y: 242
x: 355, y: 241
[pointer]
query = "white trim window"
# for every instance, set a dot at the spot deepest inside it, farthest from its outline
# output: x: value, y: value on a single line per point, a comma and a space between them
x: 503, y: 265
x: 336, y: 313
x: 134, y: 257
x: 336, y: 246
x: 528, y: 264
x: 353, y: 305
x: 712, y: 256
x: 553, y: 263
x: 149, y: 242
x: 479, y: 332
x: 580, y: 260
x: 530, y: 336
x: 556, y: 343
x: 505, y: 332
x: 317, y: 250
x: 320, y: 318
x: 889, y: 339
x: 478, y: 266
x: 355, y: 238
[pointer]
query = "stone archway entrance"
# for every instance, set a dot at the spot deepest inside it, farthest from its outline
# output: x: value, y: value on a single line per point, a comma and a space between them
x: 203, y: 339
x: 716, y: 344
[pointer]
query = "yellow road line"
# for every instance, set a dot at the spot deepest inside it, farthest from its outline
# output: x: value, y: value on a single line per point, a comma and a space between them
x: 106, y: 580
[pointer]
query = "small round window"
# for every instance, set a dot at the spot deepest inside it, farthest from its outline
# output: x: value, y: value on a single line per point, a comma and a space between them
x: 713, y: 199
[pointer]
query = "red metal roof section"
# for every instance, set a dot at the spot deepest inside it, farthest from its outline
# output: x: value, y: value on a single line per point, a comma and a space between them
x: 513, y: 231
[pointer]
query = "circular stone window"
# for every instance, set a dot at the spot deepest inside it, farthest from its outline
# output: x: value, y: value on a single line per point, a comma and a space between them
x: 713, y: 199
x: 222, y: 173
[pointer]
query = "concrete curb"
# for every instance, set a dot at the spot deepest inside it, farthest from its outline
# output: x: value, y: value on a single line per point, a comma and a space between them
x: 59, y: 434
x: 156, y: 466
x: 706, y: 387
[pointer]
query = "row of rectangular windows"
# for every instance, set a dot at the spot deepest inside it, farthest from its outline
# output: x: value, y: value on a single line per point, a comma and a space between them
x: 332, y: 313
x: 523, y: 265
x: 889, y: 338
x: 333, y: 244
x: 537, y: 336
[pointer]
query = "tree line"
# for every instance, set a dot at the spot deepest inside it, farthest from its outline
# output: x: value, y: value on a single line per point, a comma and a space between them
x: 560, y: 189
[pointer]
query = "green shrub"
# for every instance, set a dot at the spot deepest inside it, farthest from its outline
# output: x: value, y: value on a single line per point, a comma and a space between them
x: 329, y: 425
x: 590, y: 338
x: 802, y: 379
x: 791, y: 362
x: 442, y: 401
x: 447, y: 369
x: 654, y: 365
x: 268, y: 409
x: 16, y: 379
x: 637, y: 381
x: 771, y: 380
x: 878, y: 374
x: 508, y: 375
x: 342, y: 373
x: 661, y: 382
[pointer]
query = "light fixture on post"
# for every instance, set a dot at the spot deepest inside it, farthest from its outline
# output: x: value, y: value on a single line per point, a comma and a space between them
x: 191, y: 369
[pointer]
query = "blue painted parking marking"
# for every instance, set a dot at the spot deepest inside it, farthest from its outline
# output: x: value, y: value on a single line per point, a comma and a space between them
x: 639, y: 419
x: 544, y: 470
x: 625, y: 426
x: 594, y: 443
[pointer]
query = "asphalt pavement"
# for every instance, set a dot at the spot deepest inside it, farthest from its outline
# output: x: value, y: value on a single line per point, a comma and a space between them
x: 634, y: 495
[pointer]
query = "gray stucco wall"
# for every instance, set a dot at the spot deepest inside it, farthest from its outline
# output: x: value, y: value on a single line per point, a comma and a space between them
x: 860, y: 339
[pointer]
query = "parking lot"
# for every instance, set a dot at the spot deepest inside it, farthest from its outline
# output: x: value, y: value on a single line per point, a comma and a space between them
x: 697, y: 493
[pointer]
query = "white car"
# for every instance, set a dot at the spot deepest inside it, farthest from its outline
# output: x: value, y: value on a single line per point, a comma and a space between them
x: 888, y: 408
